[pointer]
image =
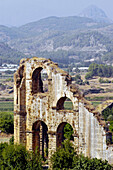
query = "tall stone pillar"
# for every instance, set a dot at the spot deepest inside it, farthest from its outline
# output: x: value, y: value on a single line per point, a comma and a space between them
x: 51, y: 145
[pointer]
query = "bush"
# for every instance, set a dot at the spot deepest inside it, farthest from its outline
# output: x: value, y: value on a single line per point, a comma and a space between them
x: 63, y: 157
x: 68, y: 131
x: 11, y: 141
x: 104, y: 81
x: 99, y: 70
x: 88, y: 76
x: 6, y: 122
x: 78, y: 80
x: 16, y: 157
x: 86, y: 82
x: 111, y: 126
x: 110, y: 118
x: 67, y: 158
x: 85, y: 163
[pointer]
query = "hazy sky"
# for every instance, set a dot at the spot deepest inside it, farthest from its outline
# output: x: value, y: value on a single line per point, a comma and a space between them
x: 19, y: 12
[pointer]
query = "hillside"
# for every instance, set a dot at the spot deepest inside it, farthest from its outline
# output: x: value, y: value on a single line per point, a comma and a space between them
x: 66, y: 40
x: 9, y: 55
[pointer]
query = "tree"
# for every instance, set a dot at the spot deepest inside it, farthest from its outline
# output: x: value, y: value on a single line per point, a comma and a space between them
x: 67, y: 158
x: 18, y: 158
x: 63, y: 157
x: 85, y: 163
x: 6, y: 122
x: 14, y: 157
x: 68, y: 131
x: 88, y: 76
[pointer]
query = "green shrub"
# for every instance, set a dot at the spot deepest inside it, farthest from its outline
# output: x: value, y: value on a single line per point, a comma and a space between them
x: 11, y: 141
x: 68, y: 131
x: 63, y: 157
x: 6, y: 122
x: 85, y: 163
x: 67, y: 158
x: 111, y: 126
x: 14, y: 157
x: 88, y: 76
x: 18, y: 158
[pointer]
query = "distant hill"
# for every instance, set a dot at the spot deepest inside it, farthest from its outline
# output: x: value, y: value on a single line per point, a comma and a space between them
x: 66, y: 40
x: 8, y: 55
x: 95, y: 13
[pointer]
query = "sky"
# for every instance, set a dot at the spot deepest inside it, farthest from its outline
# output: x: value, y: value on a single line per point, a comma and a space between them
x: 20, y: 12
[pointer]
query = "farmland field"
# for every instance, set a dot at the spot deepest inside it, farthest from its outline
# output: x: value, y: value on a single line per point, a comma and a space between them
x: 6, y: 105
x: 68, y: 105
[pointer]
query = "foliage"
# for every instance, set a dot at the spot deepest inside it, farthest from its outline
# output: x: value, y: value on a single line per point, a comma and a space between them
x: 107, y: 112
x: 2, y: 146
x: 16, y: 157
x: 86, y: 82
x: 34, y: 161
x: 108, y: 115
x: 9, y: 55
x: 110, y: 118
x: 88, y: 75
x: 63, y: 157
x: 68, y: 131
x: 11, y: 141
x: 67, y: 158
x: 104, y: 81
x: 85, y: 163
x: 78, y: 80
x: 111, y: 126
x: 6, y: 122
x: 99, y: 70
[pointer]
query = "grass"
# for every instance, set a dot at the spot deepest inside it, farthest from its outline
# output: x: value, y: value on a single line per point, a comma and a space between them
x: 99, y: 98
x: 6, y: 105
x: 96, y: 103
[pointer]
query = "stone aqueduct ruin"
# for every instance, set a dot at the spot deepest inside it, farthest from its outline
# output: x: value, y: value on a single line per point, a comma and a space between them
x: 40, y: 117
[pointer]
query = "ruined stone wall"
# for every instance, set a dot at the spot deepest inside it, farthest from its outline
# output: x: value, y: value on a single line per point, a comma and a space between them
x: 35, y: 109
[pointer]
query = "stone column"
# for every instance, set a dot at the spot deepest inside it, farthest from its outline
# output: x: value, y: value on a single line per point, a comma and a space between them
x: 76, y: 142
x: 29, y: 140
x: 51, y: 145
x: 41, y: 141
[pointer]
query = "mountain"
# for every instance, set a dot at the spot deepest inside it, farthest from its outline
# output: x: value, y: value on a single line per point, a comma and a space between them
x: 59, y: 24
x: 9, y: 55
x: 96, y: 14
x: 66, y: 40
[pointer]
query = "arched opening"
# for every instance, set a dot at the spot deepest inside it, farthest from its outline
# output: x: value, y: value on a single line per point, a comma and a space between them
x: 40, y: 138
x: 64, y: 103
x: 64, y: 131
x: 39, y: 81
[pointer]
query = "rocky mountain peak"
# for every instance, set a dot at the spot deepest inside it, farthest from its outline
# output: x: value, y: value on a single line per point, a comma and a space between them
x: 95, y: 13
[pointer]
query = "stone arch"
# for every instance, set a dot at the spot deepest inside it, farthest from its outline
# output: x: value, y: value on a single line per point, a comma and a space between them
x: 38, y: 85
x: 64, y: 103
x: 60, y: 134
x: 40, y: 137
